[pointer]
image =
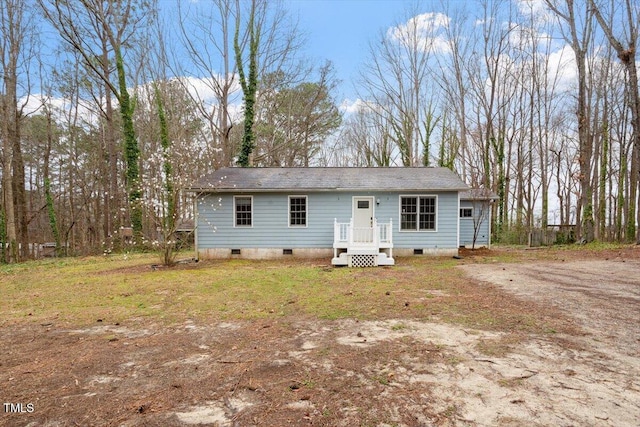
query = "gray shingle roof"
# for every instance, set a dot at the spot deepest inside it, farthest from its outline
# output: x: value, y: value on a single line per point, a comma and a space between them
x: 478, y: 194
x: 330, y: 178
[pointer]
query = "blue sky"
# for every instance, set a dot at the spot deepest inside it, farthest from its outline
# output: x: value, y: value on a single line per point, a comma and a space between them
x: 340, y: 31
x: 335, y: 30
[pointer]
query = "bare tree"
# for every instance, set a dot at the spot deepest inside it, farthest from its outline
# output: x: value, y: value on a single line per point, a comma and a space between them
x: 482, y: 200
x: 367, y: 136
x: 168, y: 123
x: 205, y: 33
x: 17, y: 47
x: 454, y: 82
x: 395, y: 79
x: 579, y: 37
x: 213, y: 62
x: 95, y: 29
x: 625, y: 46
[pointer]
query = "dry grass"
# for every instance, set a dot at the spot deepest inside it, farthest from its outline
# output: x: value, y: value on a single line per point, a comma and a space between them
x: 116, y: 288
x: 113, y: 341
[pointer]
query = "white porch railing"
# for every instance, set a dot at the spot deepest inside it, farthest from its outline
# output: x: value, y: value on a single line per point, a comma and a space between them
x: 346, y: 236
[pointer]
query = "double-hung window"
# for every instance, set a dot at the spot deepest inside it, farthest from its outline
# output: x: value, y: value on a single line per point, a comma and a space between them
x: 297, y: 211
x: 243, y: 211
x: 418, y: 213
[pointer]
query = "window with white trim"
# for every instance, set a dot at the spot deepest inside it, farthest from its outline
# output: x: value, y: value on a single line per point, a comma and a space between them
x: 466, y: 212
x: 243, y: 211
x: 297, y: 211
x: 418, y: 213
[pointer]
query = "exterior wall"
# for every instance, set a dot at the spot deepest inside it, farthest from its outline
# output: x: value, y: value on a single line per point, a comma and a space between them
x: 405, y: 252
x: 482, y: 218
x: 264, y: 253
x: 270, y: 233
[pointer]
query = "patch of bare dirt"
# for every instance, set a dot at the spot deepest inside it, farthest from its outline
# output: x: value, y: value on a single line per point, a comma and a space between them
x: 396, y: 371
x: 591, y: 378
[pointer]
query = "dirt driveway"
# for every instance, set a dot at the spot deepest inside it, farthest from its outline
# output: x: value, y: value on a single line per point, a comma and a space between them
x: 592, y: 379
x: 309, y: 372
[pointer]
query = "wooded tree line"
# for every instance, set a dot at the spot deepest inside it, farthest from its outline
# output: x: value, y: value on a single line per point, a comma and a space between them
x: 533, y: 100
x: 112, y: 107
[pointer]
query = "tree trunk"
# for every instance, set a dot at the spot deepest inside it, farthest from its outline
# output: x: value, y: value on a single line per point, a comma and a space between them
x: 10, y: 142
x: 53, y: 223
x: 132, y: 151
x: 9, y: 217
x: 602, y: 187
x: 627, y: 56
x: 111, y: 198
x: 249, y: 84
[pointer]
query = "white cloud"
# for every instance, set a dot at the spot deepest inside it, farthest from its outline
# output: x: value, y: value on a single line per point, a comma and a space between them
x: 349, y: 106
x: 528, y: 38
x: 423, y: 31
x: 536, y: 8
x: 535, y: 11
x: 60, y: 108
x: 564, y: 61
x: 204, y: 88
x: 33, y: 104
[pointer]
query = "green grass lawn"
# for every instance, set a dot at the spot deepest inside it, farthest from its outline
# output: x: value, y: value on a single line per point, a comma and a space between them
x: 114, y: 288
x: 117, y: 287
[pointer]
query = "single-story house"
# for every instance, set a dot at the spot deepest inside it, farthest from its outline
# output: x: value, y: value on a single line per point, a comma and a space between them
x: 356, y: 216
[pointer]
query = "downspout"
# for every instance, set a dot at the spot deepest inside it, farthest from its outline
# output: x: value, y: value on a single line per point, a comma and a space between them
x: 458, y: 215
x: 195, y: 225
x: 491, y: 201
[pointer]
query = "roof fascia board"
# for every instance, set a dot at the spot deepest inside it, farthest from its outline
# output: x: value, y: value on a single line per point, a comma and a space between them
x: 300, y: 189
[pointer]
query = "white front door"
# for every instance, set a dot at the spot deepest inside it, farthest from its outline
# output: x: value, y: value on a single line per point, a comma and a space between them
x: 363, y: 219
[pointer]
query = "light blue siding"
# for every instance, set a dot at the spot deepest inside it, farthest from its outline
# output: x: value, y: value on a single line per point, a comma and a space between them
x: 481, y: 218
x: 270, y: 229
x: 446, y: 233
